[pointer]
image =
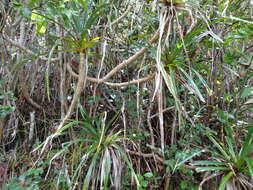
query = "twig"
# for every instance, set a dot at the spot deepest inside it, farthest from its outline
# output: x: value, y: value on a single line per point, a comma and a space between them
x: 32, y: 126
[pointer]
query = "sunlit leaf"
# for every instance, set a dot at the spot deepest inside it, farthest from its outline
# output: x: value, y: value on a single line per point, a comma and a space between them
x: 41, y: 28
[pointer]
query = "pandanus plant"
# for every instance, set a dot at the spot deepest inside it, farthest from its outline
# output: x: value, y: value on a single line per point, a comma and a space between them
x: 233, y: 163
x: 98, y: 157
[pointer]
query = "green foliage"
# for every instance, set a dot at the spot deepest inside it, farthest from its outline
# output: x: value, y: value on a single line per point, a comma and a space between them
x: 247, y: 92
x: 230, y: 159
x: 205, y: 63
x: 187, y: 185
x: 143, y: 181
x: 5, y: 109
x: 29, y: 180
x: 178, y: 158
x: 77, y: 28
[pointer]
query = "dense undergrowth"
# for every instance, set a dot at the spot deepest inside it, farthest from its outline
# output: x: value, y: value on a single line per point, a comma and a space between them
x: 107, y: 94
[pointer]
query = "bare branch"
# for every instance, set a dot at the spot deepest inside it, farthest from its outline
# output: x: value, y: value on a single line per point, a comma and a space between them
x: 141, y: 80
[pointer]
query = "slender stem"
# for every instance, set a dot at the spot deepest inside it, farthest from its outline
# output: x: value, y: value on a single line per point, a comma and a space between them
x: 83, y: 66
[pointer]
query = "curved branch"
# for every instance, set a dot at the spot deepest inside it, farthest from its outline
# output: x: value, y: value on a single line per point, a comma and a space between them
x: 141, y: 80
x: 129, y: 60
x: 120, y: 18
x: 30, y: 100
